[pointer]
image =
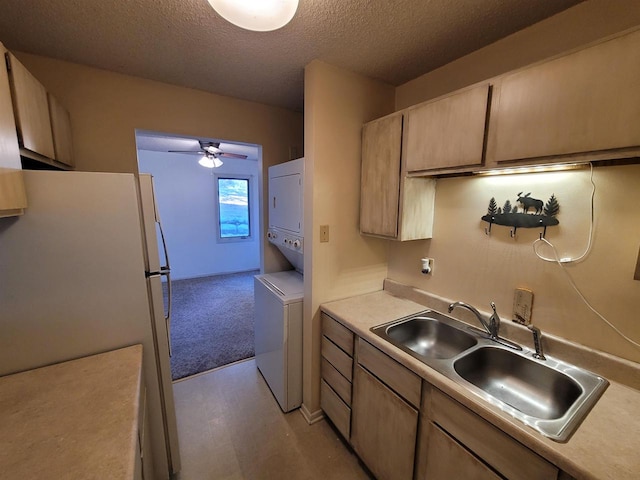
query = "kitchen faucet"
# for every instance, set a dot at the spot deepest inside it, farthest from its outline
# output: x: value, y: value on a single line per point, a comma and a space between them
x: 492, y: 327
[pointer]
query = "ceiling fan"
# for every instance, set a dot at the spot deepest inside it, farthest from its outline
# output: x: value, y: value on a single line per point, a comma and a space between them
x: 211, y: 154
x: 210, y: 149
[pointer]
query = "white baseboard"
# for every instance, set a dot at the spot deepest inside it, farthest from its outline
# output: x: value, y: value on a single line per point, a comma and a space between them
x: 311, y: 417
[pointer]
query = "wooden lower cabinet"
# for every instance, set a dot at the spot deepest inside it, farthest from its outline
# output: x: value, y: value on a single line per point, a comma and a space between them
x: 484, y: 442
x: 447, y: 459
x: 384, y: 428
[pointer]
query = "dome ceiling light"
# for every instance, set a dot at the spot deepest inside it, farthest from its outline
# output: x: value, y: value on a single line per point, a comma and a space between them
x: 257, y: 15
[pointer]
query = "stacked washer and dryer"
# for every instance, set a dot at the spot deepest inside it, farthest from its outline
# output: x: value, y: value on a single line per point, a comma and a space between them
x: 278, y: 296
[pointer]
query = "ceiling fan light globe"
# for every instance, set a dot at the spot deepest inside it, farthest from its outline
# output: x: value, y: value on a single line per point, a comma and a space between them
x: 207, y: 162
x: 257, y: 15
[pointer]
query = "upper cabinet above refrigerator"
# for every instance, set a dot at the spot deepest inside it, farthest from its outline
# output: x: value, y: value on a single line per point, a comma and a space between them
x: 31, y: 109
x: 42, y: 124
x: 12, y: 192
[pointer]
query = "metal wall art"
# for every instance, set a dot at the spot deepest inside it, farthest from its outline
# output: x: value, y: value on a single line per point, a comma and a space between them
x: 533, y: 213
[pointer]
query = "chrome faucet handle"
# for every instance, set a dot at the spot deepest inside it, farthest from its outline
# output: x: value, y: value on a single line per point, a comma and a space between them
x: 494, y: 322
x: 537, y: 342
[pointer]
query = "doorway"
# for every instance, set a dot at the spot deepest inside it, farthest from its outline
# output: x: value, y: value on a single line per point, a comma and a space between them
x: 211, y: 227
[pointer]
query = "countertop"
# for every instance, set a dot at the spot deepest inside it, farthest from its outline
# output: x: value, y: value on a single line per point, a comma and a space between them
x: 605, y: 445
x: 72, y: 420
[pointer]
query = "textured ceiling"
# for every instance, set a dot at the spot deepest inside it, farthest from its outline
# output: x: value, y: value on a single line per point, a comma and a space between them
x: 184, y: 42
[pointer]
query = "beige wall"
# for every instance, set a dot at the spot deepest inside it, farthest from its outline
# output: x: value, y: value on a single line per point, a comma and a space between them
x: 337, y: 103
x: 473, y: 267
x: 107, y: 107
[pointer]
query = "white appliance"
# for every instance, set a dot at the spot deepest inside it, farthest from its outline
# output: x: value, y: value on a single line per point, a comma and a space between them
x: 286, y: 220
x: 278, y: 334
x: 279, y: 296
x: 80, y: 274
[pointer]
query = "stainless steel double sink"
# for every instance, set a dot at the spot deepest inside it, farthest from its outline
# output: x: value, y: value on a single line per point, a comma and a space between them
x: 549, y: 395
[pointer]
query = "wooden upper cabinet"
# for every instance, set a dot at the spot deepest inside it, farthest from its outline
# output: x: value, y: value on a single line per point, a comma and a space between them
x: 31, y: 109
x: 392, y: 205
x: 449, y: 132
x: 13, y: 198
x: 9, y: 149
x: 380, y: 182
x: 61, y: 130
x: 584, y: 102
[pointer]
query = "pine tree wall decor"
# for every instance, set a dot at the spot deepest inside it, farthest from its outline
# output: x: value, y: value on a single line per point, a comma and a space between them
x: 534, y: 213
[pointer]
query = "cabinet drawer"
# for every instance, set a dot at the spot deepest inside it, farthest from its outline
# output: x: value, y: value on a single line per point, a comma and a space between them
x: 336, y: 357
x: 509, y: 457
x: 336, y: 409
x: 400, y: 379
x: 340, y: 385
x: 338, y: 334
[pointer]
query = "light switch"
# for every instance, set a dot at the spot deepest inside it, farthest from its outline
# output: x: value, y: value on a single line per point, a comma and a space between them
x: 522, y: 304
x: 324, y: 233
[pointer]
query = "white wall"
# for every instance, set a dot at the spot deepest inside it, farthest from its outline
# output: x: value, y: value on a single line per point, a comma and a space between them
x: 186, y: 197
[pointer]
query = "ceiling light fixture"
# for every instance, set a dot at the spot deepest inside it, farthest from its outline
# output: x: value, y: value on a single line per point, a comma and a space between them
x: 210, y: 161
x: 257, y: 15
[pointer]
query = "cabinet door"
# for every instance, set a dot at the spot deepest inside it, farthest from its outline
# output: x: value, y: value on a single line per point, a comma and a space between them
x: 449, y: 132
x: 61, y: 131
x: 31, y: 109
x: 383, y: 428
x: 9, y: 150
x: 12, y: 193
x: 587, y: 101
x: 380, y: 183
x: 447, y: 459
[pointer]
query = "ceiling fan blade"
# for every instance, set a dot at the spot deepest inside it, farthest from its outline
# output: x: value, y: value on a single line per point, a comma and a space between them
x: 188, y: 151
x: 232, y: 155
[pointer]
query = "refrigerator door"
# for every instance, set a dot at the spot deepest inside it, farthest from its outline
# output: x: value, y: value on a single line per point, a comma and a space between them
x: 160, y: 324
x: 156, y: 269
x: 156, y: 255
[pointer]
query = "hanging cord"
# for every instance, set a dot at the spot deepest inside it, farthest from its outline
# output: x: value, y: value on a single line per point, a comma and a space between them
x: 561, y: 261
x: 589, y: 242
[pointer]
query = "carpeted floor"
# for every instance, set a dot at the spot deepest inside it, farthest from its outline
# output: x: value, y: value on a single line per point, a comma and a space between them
x: 212, y: 322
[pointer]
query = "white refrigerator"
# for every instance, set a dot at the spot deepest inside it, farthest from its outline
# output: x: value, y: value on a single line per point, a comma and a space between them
x: 80, y: 274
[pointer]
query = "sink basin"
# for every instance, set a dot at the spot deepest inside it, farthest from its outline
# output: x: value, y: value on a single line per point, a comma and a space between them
x: 549, y: 395
x: 430, y: 338
x: 530, y: 387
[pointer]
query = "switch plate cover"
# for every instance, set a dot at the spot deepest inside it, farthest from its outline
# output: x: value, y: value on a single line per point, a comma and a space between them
x: 522, y: 305
x: 324, y: 233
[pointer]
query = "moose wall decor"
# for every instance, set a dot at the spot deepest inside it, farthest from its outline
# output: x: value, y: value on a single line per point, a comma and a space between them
x: 543, y: 215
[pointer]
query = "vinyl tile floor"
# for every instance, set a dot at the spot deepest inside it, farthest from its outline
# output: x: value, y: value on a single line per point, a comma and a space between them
x: 231, y: 428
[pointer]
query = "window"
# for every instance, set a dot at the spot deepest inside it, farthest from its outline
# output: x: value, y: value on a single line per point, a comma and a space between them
x: 233, y: 205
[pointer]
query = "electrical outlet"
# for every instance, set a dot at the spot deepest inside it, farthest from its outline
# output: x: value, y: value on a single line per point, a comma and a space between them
x: 324, y: 233
x: 522, y: 305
